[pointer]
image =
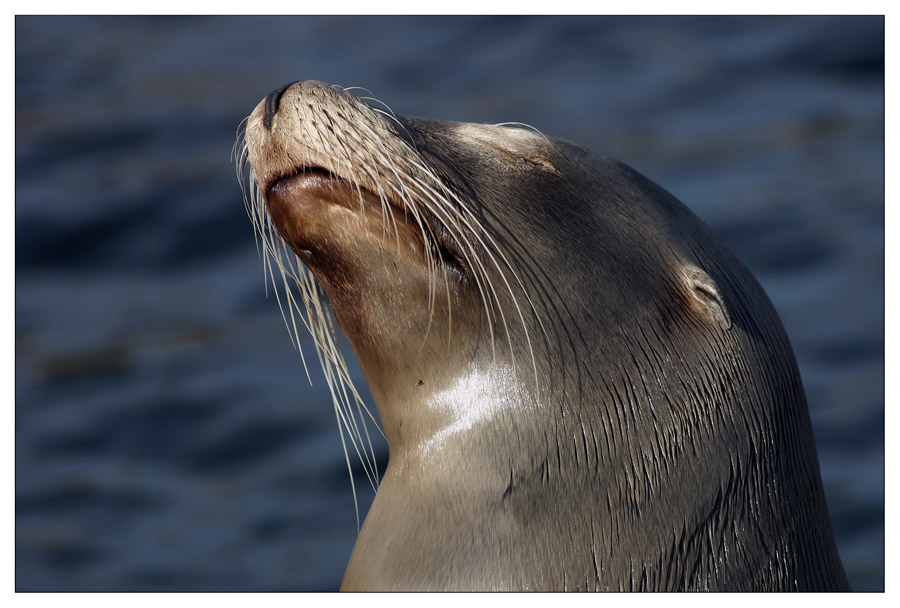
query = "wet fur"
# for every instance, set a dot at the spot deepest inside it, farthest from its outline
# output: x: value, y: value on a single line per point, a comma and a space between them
x: 656, y: 436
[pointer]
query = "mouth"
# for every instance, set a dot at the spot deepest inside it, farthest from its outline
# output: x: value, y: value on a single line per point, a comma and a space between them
x: 310, y: 179
x: 325, y: 185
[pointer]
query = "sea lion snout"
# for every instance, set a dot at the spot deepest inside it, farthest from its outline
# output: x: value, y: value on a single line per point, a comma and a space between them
x: 273, y: 99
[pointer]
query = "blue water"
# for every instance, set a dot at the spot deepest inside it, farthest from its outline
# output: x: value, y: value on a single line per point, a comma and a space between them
x: 166, y: 435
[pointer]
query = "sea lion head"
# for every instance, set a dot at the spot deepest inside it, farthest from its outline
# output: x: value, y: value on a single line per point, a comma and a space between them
x: 549, y: 337
x: 437, y: 241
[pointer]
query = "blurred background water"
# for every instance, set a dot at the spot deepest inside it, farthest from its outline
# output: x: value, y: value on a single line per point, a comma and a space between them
x: 166, y: 435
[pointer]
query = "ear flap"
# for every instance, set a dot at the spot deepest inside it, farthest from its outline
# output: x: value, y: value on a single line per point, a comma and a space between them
x: 708, y: 298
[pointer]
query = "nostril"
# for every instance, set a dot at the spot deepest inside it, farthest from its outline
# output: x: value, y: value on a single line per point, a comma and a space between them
x: 272, y: 101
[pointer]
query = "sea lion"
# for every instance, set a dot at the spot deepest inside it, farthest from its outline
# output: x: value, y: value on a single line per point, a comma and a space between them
x: 581, y: 387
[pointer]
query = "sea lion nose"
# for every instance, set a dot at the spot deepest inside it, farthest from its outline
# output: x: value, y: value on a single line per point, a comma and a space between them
x: 272, y: 101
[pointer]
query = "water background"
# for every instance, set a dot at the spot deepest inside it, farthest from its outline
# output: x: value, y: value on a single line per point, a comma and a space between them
x: 166, y: 435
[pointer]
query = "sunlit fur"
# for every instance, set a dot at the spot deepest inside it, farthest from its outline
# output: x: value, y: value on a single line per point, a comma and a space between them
x: 654, y: 434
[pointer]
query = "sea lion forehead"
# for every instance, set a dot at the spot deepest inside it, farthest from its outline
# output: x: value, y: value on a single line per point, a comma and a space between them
x: 507, y: 135
x: 514, y: 139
